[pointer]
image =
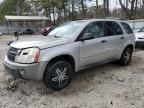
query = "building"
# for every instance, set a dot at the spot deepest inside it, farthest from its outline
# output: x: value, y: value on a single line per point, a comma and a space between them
x: 18, y: 23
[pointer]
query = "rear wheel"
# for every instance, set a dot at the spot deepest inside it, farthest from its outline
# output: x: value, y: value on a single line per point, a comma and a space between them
x: 126, y: 57
x: 58, y: 75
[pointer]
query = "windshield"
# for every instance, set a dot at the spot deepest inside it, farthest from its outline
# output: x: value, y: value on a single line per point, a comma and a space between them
x: 66, y: 29
x: 142, y: 29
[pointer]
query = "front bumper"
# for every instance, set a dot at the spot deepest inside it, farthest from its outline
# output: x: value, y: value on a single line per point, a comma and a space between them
x: 25, y: 71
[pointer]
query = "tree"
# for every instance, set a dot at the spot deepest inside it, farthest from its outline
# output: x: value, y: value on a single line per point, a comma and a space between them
x: 59, y: 11
x: 129, y: 11
x: 97, y: 7
x: 13, y: 7
x: 143, y: 8
x: 106, y: 7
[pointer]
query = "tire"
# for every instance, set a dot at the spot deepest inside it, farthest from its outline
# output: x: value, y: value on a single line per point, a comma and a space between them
x: 126, y: 57
x: 58, y: 75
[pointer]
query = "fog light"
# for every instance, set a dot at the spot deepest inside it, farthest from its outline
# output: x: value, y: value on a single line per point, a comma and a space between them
x: 22, y: 71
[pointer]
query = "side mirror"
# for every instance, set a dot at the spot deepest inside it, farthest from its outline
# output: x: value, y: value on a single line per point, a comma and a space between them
x: 86, y: 36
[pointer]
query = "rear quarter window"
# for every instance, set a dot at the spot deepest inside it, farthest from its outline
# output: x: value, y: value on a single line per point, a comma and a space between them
x: 127, y: 28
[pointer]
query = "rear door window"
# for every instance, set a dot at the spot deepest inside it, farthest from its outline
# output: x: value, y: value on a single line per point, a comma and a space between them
x: 112, y: 28
x: 127, y: 28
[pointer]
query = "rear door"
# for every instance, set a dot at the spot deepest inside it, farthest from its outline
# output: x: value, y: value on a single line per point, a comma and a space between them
x: 115, y: 38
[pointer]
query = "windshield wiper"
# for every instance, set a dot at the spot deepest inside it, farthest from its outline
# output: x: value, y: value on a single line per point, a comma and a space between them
x: 55, y: 36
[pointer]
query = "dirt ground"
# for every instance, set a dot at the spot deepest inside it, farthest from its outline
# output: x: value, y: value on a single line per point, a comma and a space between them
x: 105, y: 86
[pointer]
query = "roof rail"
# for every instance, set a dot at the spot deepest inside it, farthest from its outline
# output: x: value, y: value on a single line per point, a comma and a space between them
x: 116, y: 18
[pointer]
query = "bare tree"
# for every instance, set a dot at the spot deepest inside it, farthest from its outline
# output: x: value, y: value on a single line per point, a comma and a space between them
x: 130, y: 12
x: 97, y: 7
x: 135, y: 9
x: 83, y: 9
x: 143, y: 7
x: 106, y: 7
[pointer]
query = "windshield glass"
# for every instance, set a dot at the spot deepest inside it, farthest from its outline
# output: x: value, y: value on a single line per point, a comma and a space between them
x: 66, y: 29
x: 142, y: 29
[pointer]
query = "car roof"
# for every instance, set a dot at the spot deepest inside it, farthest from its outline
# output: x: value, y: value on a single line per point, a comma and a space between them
x: 104, y: 19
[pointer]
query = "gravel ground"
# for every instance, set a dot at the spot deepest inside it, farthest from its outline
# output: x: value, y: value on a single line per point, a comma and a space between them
x: 105, y: 86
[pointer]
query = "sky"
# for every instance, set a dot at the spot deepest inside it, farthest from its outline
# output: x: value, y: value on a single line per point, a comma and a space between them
x: 113, y: 3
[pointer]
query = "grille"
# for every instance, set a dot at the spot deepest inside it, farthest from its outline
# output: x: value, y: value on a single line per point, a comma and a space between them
x: 12, y: 53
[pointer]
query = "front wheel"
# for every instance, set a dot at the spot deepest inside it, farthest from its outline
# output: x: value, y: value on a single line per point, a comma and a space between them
x: 58, y: 75
x: 126, y: 57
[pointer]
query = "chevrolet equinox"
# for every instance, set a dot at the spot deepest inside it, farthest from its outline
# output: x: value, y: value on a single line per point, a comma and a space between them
x: 70, y: 47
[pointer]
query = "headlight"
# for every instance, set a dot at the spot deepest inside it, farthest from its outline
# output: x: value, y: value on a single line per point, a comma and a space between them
x: 30, y: 55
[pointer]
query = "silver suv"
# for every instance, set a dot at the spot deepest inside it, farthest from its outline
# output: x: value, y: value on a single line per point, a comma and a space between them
x: 68, y: 48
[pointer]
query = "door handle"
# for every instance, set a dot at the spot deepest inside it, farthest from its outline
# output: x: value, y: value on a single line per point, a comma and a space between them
x: 122, y: 38
x: 103, y: 41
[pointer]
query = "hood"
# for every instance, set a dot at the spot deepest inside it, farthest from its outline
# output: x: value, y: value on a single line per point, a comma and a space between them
x: 40, y: 41
x: 139, y: 35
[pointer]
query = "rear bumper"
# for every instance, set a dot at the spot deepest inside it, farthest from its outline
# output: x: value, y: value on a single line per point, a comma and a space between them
x: 25, y: 71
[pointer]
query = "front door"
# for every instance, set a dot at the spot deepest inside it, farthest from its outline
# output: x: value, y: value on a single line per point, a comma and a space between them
x: 94, y: 50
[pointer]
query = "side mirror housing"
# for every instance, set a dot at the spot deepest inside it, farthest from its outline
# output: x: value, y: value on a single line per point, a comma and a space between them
x: 86, y: 36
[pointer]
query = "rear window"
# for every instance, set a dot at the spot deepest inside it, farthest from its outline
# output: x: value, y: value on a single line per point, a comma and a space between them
x: 127, y: 28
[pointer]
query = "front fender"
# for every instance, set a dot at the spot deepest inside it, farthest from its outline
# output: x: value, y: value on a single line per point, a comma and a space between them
x: 71, y: 49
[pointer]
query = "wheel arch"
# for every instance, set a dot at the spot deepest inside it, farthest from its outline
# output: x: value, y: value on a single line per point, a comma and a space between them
x: 130, y: 46
x: 66, y: 57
